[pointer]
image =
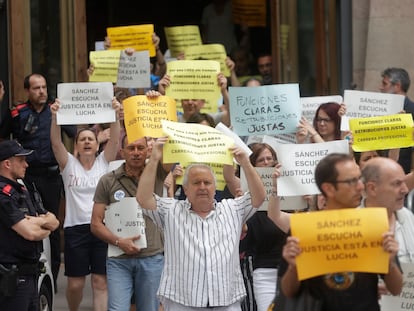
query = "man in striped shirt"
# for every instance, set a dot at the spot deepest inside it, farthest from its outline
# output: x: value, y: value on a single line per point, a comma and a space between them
x: 201, y: 269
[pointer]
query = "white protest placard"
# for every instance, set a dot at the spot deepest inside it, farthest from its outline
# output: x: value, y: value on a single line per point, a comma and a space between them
x: 237, y: 141
x: 276, y: 139
x: 311, y: 104
x: 298, y: 165
x: 125, y: 219
x: 254, y: 139
x: 134, y: 71
x: 85, y: 103
x: 99, y: 46
x: 285, y: 138
x: 362, y: 104
x: 405, y: 301
x: 274, y: 142
x: 265, y: 110
x: 113, y: 165
x: 291, y: 203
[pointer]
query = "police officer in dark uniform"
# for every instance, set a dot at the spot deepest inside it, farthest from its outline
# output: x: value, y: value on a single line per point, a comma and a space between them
x: 30, y: 125
x: 22, y: 229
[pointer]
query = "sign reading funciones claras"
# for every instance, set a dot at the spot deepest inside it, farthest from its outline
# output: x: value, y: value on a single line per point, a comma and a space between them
x: 265, y: 110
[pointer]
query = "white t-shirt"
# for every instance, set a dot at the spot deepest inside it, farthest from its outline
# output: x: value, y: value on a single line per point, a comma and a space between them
x: 80, y: 186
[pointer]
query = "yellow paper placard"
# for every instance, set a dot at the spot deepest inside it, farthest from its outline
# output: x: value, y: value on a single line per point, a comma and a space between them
x: 194, y: 79
x: 209, y: 52
x: 138, y: 37
x: 143, y: 115
x: 180, y: 37
x: 195, y: 143
x: 380, y: 133
x: 105, y: 65
x: 340, y: 240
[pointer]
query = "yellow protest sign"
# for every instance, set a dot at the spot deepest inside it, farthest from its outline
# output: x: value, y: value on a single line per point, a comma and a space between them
x: 180, y: 37
x: 218, y: 173
x: 138, y: 37
x: 340, y: 240
x: 195, y: 143
x: 143, y: 115
x: 194, y: 79
x: 105, y: 65
x: 249, y: 13
x: 209, y: 52
x: 380, y: 133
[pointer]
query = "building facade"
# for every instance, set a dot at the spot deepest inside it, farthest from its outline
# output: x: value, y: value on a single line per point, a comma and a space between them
x: 325, y: 45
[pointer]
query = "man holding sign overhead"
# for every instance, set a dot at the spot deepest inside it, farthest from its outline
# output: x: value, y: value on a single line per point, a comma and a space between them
x: 202, y: 236
x: 339, y: 178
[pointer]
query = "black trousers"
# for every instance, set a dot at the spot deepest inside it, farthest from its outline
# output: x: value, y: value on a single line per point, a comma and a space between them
x: 26, y: 297
x: 50, y: 186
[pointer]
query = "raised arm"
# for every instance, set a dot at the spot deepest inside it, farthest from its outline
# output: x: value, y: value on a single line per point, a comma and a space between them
x: 234, y: 80
x: 232, y: 181
x: 254, y: 182
x: 160, y: 66
x: 145, y: 189
x: 394, y: 278
x: 222, y: 81
x: 59, y: 149
x: 112, y: 146
x: 280, y: 218
x: 289, y: 282
x: 306, y: 129
x: 163, y: 84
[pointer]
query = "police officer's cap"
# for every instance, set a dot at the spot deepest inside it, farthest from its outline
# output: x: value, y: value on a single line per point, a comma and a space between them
x: 11, y: 148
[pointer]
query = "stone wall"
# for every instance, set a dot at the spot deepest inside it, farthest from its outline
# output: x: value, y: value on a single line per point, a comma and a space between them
x: 382, y: 37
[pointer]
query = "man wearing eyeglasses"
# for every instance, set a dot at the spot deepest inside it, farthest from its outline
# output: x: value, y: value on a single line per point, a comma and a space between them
x: 339, y: 179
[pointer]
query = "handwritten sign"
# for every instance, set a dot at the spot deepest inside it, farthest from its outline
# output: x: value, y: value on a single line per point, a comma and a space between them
x: 105, y: 65
x: 194, y: 79
x: 138, y: 37
x: 379, y: 133
x: 361, y: 104
x: 195, y: 143
x: 134, y: 71
x: 291, y: 203
x: 269, y: 109
x: 125, y: 219
x: 181, y: 37
x: 340, y: 240
x: 85, y: 103
x: 215, y: 52
x: 405, y: 300
x: 298, y: 165
x: 249, y: 13
x: 143, y: 115
x: 311, y: 104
